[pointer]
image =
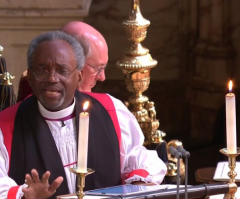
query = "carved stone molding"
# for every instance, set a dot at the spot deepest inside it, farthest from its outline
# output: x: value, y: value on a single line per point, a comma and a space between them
x: 40, y: 14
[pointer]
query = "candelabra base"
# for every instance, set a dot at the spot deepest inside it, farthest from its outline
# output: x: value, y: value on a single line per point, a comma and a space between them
x: 232, y: 191
x: 232, y: 174
x: 81, y: 180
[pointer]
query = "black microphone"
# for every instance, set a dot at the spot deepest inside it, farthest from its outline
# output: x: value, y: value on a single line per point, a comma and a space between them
x: 174, y: 152
x: 186, y: 155
x: 183, y: 151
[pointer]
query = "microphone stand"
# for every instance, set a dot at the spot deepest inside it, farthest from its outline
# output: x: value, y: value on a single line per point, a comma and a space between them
x: 176, y: 154
x: 186, y: 155
x: 178, y: 177
x: 186, y: 177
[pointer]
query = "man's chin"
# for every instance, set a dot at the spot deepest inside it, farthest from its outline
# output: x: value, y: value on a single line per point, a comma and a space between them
x: 51, y: 105
x: 91, y: 86
x: 85, y: 89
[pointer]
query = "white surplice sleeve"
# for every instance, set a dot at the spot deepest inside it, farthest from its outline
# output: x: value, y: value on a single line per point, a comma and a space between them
x: 6, y: 183
x: 137, y: 163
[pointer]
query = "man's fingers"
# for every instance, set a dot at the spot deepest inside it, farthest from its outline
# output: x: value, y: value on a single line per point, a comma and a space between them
x: 35, y: 175
x: 56, y: 183
x: 28, y: 179
x: 45, y: 177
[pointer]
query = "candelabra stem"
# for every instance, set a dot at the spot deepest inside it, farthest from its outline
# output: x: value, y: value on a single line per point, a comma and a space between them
x: 80, y: 185
x: 232, y: 164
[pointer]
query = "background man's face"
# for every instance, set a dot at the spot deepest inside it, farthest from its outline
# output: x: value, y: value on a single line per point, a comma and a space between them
x: 97, y: 59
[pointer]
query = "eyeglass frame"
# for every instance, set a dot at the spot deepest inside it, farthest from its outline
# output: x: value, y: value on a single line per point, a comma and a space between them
x: 98, y: 70
x: 54, y: 73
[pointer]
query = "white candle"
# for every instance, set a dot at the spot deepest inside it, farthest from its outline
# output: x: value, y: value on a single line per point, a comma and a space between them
x: 83, y: 139
x: 231, y: 121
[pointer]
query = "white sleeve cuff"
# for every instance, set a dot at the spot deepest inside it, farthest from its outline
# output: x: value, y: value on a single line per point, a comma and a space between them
x: 148, y: 179
x: 20, y: 193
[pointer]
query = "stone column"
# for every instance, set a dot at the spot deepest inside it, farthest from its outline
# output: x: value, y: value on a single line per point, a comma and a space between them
x: 210, y: 66
x: 21, y: 21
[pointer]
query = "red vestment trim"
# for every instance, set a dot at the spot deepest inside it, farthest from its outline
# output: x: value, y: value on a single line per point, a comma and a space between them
x: 140, y: 172
x: 67, y: 165
x: 106, y: 101
x: 12, y: 192
x: 7, y: 118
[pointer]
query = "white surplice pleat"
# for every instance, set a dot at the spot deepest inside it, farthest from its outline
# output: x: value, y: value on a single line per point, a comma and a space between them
x: 65, y: 139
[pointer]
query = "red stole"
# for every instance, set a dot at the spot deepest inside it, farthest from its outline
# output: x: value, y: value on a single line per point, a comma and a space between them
x: 106, y: 101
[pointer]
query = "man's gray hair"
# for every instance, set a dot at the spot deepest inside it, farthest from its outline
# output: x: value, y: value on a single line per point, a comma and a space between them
x: 57, y: 35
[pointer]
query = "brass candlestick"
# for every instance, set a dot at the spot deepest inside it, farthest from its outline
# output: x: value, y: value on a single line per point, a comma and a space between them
x: 81, y: 180
x: 232, y: 174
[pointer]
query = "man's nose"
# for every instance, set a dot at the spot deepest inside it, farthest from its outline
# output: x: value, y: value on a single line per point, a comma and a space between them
x: 101, y: 76
x: 53, y: 77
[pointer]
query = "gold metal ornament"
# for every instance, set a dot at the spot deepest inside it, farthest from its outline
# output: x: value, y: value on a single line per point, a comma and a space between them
x: 5, y: 77
x: 136, y: 66
x: 81, y: 180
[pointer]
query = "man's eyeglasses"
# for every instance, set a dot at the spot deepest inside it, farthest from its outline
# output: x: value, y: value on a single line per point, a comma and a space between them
x: 96, y: 69
x: 62, y: 74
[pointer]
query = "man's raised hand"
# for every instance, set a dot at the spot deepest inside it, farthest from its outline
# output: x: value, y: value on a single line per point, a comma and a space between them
x: 40, y: 188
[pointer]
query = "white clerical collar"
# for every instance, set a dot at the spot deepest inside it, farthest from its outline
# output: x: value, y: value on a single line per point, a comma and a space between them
x: 58, y: 114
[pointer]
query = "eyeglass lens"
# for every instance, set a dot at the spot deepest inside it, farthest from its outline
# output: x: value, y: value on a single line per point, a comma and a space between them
x: 59, y: 74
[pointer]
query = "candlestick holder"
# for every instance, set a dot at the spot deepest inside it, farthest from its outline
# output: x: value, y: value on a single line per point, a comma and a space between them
x: 81, y: 180
x: 232, y: 174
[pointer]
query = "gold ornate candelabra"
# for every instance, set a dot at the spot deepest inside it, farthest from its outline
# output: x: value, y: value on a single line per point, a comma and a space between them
x: 232, y: 174
x: 136, y: 66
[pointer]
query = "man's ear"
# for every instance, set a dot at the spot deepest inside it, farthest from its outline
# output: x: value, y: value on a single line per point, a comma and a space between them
x: 79, y: 75
x: 29, y: 77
